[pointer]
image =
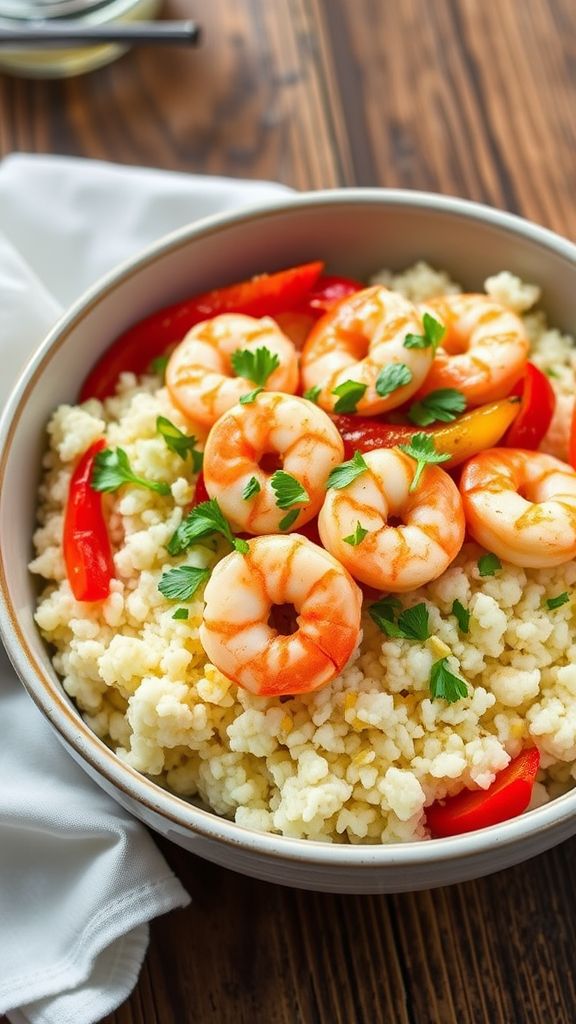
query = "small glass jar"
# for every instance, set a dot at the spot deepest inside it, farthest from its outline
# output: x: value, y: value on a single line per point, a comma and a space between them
x: 63, y: 63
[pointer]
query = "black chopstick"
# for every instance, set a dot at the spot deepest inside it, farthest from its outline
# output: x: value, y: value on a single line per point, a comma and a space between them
x: 64, y: 33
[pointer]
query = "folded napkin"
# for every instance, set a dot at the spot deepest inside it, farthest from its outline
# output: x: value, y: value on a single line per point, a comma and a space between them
x: 79, y: 878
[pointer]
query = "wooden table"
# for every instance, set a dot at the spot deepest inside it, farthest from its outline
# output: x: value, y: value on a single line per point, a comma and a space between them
x: 458, y: 96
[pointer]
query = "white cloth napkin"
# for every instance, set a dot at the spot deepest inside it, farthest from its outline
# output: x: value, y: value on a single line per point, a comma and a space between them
x: 79, y: 878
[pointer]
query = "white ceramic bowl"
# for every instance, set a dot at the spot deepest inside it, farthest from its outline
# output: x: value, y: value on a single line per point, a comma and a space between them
x: 356, y: 232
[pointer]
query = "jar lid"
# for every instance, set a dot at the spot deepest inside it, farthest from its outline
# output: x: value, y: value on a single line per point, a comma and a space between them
x: 27, y: 10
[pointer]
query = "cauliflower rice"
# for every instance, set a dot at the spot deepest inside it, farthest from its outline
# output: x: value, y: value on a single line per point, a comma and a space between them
x: 359, y: 760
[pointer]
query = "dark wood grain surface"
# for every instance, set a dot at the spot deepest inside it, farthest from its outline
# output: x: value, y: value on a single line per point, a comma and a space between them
x: 460, y: 96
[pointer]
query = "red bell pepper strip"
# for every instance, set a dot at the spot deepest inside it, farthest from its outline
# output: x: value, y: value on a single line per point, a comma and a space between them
x: 365, y: 433
x: 200, y: 492
x: 327, y: 292
x: 538, y: 401
x: 508, y: 796
x: 134, y: 350
x: 87, y: 551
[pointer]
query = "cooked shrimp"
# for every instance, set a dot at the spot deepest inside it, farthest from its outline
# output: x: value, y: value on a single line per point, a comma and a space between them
x: 240, y: 596
x: 250, y: 442
x: 199, y: 375
x: 522, y: 506
x: 394, y: 557
x: 357, y: 340
x: 484, y: 351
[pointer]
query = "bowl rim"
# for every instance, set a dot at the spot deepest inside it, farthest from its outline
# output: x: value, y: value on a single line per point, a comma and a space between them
x: 48, y: 694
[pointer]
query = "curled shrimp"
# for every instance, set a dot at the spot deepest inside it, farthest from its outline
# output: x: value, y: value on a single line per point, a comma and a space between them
x: 279, y: 432
x: 199, y: 374
x: 484, y: 351
x: 357, y: 340
x: 394, y: 556
x: 240, y: 596
x: 521, y: 505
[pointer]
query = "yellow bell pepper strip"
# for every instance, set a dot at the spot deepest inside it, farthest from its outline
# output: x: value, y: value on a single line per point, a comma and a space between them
x: 471, y: 433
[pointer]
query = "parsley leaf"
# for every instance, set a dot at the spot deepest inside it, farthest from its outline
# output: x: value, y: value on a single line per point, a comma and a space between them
x: 462, y: 615
x: 289, y: 519
x: 422, y: 448
x: 432, y: 336
x: 392, y: 377
x: 112, y: 469
x: 383, y: 613
x: 181, y: 583
x: 443, y: 404
x: 356, y: 538
x: 288, y: 490
x: 488, y: 565
x: 179, y: 442
x: 557, y: 602
x: 444, y: 685
x: 413, y: 622
x: 250, y: 397
x: 550, y: 372
x: 180, y: 613
x: 346, y: 472
x: 158, y: 366
x: 349, y: 394
x: 312, y: 394
x: 202, y: 522
x: 254, y: 364
x: 251, y: 488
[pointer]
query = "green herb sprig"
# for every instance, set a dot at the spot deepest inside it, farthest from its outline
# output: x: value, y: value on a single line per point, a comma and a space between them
x: 423, y: 449
x: 343, y: 475
x: 179, y: 442
x: 112, y: 470
x: 443, y: 406
x: 202, y: 522
x: 433, y: 332
x: 182, y: 582
x: 256, y: 364
x: 444, y: 685
x: 349, y: 394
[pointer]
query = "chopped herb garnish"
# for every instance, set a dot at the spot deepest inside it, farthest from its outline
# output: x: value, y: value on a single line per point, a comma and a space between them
x: 488, y: 565
x: 383, y: 613
x: 312, y: 394
x: 181, y: 583
x: 158, y: 366
x: 254, y: 364
x: 202, y: 522
x: 423, y: 449
x: 288, y: 490
x: 112, y: 469
x: 551, y: 373
x: 251, y: 396
x: 444, y: 685
x: 180, y: 613
x: 356, y: 538
x: 346, y: 472
x: 251, y: 488
x: 349, y: 394
x: 179, y: 442
x: 412, y: 623
x: 557, y: 602
x: 289, y: 519
x: 462, y: 616
x: 442, y: 405
x: 392, y: 377
x: 432, y: 336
